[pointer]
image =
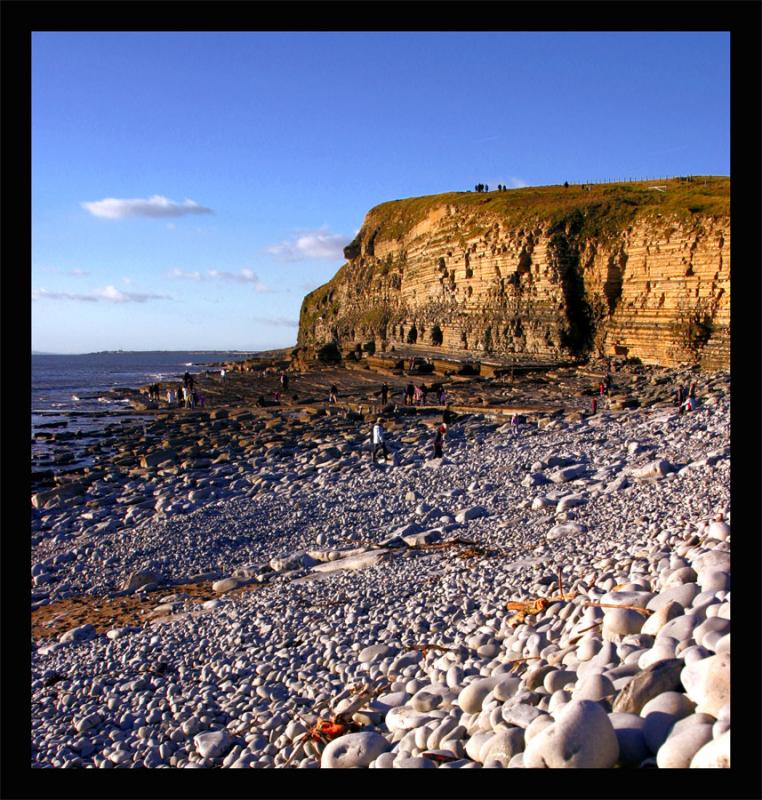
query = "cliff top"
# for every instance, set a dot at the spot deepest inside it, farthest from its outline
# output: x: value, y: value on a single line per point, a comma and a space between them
x: 599, y: 209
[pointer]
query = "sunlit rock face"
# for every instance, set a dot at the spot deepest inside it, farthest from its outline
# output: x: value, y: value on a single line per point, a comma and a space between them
x: 626, y: 270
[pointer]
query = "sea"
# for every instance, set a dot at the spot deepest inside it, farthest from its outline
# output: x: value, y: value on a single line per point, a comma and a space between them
x: 71, y: 392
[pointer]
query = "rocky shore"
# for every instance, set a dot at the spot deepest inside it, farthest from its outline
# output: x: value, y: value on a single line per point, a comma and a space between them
x: 221, y: 579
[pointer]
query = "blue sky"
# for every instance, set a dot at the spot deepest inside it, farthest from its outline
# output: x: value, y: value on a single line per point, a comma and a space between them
x: 188, y: 189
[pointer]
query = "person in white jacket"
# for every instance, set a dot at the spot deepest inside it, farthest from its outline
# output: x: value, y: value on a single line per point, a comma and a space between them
x: 378, y: 439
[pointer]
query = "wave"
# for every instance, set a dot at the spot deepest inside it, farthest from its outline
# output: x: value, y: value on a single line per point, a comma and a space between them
x: 74, y: 397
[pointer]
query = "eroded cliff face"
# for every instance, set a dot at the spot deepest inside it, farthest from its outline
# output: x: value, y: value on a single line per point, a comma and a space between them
x: 472, y: 281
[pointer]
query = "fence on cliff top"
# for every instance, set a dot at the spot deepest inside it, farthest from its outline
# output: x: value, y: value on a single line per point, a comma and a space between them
x: 603, y: 181
x: 686, y: 178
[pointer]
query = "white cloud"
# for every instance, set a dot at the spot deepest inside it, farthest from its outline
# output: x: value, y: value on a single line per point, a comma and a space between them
x: 154, y: 206
x: 517, y: 183
x: 187, y: 276
x: 44, y: 294
x: 246, y: 275
x: 277, y: 321
x: 108, y: 293
x: 74, y: 273
x: 311, y: 244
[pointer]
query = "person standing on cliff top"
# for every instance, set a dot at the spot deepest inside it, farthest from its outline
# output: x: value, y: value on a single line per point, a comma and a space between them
x: 378, y: 442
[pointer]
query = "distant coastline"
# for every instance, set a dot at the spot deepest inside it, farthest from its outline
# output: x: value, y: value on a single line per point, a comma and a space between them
x: 127, y: 352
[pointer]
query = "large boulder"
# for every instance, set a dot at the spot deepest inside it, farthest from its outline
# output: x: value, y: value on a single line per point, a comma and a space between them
x: 354, y: 750
x: 581, y: 737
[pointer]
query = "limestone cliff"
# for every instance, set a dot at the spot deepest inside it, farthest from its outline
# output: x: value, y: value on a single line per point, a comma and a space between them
x: 637, y: 270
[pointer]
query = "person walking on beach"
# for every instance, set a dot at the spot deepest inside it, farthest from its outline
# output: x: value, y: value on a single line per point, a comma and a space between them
x: 333, y: 395
x: 222, y: 376
x: 385, y: 394
x: 594, y: 404
x: 439, y: 440
x: 442, y: 397
x: 171, y: 399
x: 284, y: 381
x: 424, y: 392
x: 514, y: 423
x: 692, y: 390
x: 409, y: 392
x: 689, y: 404
x: 378, y: 442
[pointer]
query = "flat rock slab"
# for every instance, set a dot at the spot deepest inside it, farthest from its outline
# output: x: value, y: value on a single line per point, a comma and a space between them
x: 368, y: 559
x: 227, y: 585
x: 425, y: 537
x: 568, y: 473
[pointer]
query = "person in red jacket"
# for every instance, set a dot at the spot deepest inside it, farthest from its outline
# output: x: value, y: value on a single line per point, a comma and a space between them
x: 439, y: 440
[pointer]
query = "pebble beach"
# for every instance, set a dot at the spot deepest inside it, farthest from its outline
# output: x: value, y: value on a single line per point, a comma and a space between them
x: 239, y: 586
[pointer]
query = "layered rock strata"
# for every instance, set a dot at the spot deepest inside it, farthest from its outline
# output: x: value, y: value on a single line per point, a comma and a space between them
x: 617, y: 275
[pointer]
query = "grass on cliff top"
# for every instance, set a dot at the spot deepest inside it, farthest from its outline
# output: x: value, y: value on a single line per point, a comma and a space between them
x: 607, y: 206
